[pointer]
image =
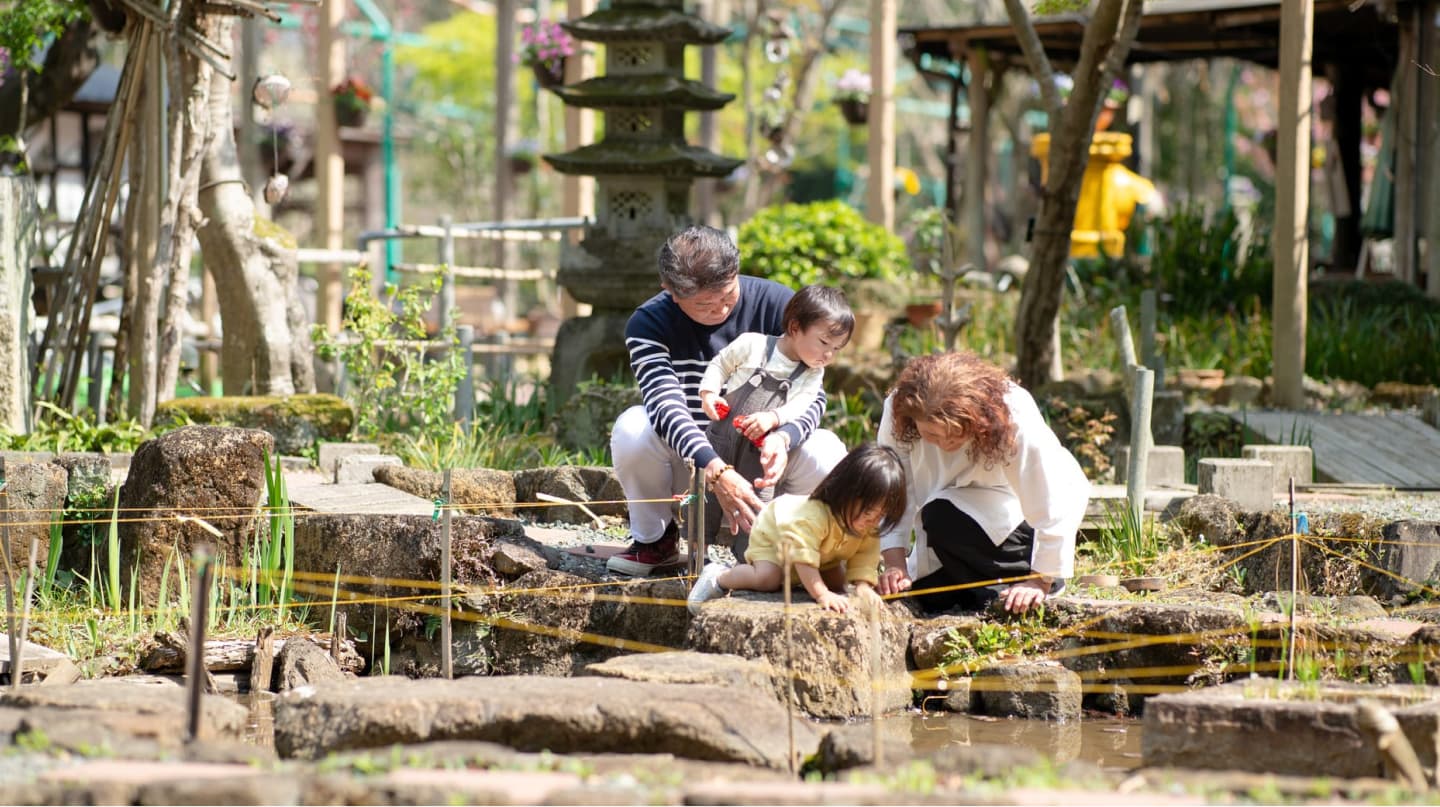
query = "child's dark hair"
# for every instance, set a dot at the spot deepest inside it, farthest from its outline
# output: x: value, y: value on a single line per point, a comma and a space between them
x: 825, y: 304
x: 870, y: 475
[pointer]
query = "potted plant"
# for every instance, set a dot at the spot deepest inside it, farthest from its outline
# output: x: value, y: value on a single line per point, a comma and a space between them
x: 544, y: 47
x: 354, y: 99
x: 932, y: 240
x: 523, y: 156
x: 1114, y: 99
x: 852, y: 94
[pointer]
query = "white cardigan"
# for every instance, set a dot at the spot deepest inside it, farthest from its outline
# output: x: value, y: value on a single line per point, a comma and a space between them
x: 1041, y: 483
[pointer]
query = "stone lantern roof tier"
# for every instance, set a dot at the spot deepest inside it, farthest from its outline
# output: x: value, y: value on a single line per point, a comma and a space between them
x: 657, y: 90
x: 645, y: 24
x: 645, y: 158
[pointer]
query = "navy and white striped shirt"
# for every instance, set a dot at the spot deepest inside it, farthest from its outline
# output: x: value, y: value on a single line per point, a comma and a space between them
x: 669, y: 353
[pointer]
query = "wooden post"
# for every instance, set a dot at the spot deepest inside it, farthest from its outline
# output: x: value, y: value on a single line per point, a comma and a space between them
x: 977, y: 157
x: 447, y: 661
x: 1429, y: 138
x: 1292, y: 203
x: 329, y: 162
x: 696, y: 533
x: 17, y: 661
x: 337, y: 639
x: 717, y: 12
x: 577, y: 192
x: 465, y: 392
x: 1148, y: 316
x: 263, y: 664
x: 1405, y: 101
x: 787, y: 568
x: 10, y: 631
x: 447, y: 272
x: 1139, y: 441
x: 880, y: 191
x: 195, y: 671
x: 1120, y: 323
x: 876, y: 668
x: 504, y: 100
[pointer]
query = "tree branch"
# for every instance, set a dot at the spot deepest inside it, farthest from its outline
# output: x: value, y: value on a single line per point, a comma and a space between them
x: 1034, y: 52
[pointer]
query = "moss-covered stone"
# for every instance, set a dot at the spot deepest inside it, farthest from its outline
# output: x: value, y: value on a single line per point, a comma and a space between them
x: 296, y: 421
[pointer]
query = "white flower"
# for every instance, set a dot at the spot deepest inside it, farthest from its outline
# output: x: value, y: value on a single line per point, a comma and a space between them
x: 853, y: 84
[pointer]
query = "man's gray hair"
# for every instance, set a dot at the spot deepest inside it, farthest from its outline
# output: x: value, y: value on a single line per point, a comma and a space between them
x: 697, y: 259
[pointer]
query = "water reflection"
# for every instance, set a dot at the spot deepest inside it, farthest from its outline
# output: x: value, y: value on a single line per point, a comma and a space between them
x: 1111, y: 743
x: 260, y: 725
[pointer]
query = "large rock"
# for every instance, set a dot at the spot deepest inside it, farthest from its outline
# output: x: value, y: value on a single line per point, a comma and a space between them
x: 1283, y: 727
x: 1410, y: 554
x: 479, y: 491
x: 35, y: 495
x: 302, y: 662
x: 401, y: 553
x: 88, y: 492
x: 531, y: 713
x: 831, y: 652
x: 544, y: 622
x: 688, y: 667
x: 930, y: 638
x: 153, y: 709
x: 207, y: 472
x: 1036, y: 690
x: 296, y: 422
x: 572, y: 483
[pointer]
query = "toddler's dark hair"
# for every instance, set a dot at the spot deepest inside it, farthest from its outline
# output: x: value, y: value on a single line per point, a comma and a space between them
x: 824, y: 304
x: 870, y: 475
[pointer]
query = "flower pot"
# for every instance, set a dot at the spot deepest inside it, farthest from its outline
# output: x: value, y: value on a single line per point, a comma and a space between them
x: 1142, y: 584
x: 549, y: 73
x: 1208, y: 380
x: 922, y: 314
x: 520, y: 165
x: 351, y: 115
x: 855, y: 112
x: 1098, y: 580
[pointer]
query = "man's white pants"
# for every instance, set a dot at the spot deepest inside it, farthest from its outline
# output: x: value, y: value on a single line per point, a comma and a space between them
x: 650, y: 469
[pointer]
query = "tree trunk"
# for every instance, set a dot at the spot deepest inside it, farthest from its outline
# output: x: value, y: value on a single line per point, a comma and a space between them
x: 151, y: 136
x: 1103, y: 51
x: 266, y: 348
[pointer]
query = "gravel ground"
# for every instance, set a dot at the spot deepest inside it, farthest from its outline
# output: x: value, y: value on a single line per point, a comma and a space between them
x: 1384, y: 507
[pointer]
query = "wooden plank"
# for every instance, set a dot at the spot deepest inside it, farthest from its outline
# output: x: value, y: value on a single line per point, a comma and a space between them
x: 1395, y: 449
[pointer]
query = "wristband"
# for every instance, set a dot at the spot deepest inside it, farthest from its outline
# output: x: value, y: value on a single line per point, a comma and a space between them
x: 713, y: 478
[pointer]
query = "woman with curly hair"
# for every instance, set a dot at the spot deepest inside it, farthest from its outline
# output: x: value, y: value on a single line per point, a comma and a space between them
x: 999, y: 498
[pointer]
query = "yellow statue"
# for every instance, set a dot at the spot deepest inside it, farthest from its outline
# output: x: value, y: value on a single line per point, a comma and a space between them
x: 1109, y: 194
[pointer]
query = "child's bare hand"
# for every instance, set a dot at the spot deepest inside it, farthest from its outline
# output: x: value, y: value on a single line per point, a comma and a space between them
x: 715, y: 407
x: 831, y: 601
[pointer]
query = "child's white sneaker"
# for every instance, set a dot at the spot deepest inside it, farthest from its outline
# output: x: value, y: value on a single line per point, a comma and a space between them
x: 707, y: 586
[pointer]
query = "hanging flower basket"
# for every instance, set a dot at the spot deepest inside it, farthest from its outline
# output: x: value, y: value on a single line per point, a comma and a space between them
x: 549, y: 74
x: 353, y: 100
x: 521, y: 164
x: 856, y: 112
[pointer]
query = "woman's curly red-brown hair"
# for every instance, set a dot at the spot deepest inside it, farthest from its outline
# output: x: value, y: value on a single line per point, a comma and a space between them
x: 962, y: 391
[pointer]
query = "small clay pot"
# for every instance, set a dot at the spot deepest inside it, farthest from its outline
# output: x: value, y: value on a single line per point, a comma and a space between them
x: 1098, y: 580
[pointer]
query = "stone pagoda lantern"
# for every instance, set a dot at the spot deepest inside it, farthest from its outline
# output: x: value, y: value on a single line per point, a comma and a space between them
x: 643, y: 169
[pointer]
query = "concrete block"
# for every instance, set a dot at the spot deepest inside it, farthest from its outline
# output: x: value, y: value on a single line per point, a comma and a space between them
x: 361, y: 467
x: 290, y: 463
x: 1164, y: 468
x: 330, y: 454
x: 1430, y: 409
x: 1167, y: 418
x: 1248, y: 483
x: 1296, y: 461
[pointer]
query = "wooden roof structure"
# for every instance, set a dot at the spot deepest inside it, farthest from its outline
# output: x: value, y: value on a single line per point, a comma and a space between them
x: 1358, y: 34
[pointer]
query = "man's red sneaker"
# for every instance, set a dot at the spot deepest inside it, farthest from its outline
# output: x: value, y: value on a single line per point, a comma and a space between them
x: 641, y: 559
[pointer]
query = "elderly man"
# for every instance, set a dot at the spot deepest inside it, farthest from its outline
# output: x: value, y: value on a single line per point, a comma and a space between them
x: 704, y: 304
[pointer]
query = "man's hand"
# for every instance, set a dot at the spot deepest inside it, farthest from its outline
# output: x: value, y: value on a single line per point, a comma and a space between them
x: 737, y: 499
x: 774, y: 456
x: 1025, y: 595
x: 757, y: 425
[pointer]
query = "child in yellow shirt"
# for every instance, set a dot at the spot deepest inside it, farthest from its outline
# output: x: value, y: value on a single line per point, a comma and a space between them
x: 833, y: 534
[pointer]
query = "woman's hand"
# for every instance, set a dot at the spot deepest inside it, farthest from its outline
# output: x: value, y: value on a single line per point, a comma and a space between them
x: 774, y: 456
x: 737, y: 498
x: 894, y: 580
x: 1025, y: 595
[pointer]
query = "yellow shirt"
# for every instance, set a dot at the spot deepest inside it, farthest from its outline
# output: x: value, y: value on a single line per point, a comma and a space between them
x: 816, y: 539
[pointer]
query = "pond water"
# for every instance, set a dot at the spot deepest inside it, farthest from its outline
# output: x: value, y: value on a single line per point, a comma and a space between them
x: 1111, y: 743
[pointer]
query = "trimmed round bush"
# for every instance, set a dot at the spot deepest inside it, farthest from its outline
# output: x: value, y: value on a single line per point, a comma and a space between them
x: 820, y: 242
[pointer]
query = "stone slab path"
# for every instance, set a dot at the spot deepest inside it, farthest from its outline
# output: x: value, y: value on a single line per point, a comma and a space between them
x: 310, y: 491
x: 36, y: 659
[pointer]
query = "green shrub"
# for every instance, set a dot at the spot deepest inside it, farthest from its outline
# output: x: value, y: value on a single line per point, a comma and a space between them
x: 821, y: 242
